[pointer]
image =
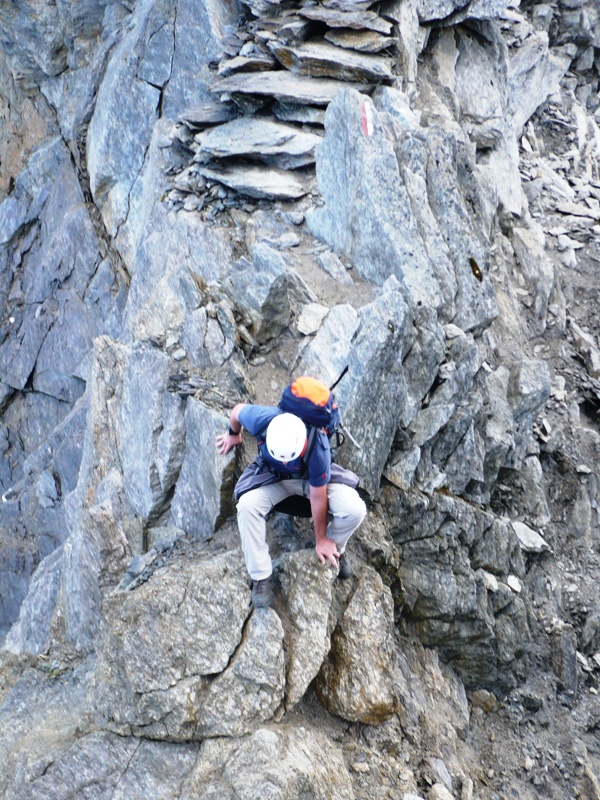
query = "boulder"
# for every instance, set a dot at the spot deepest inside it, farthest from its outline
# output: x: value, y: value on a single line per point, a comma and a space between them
x: 357, y: 681
x: 189, y: 664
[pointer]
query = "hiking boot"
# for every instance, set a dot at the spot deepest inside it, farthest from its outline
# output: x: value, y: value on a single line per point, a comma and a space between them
x: 344, y: 567
x: 262, y: 593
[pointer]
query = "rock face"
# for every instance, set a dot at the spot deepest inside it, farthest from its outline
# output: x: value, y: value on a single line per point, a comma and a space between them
x: 201, y: 200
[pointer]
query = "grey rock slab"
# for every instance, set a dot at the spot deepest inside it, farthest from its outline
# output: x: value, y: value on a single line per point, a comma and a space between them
x: 459, y: 215
x: 120, y: 129
x: 359, y: 20
x: 31, y: 632
x: 372, y: 393
x: 401, y: 468
x: 35, y: 37
x: 284, y: 86
x: 208, y: 335
x: 324, y: 60
x: 13, y: 213
x: 331, y: 264
x: 203, y: 494
x: 261, y: 182
x: 534, y: 73
x: 357, y: 681
x: 536, y: 268
x: 163, y: 292
x: 306, y: 588
x: 199, y: 31
x: 256, y: 136
x: 97, y: 510
x: 152, y: 432
x: 430, y: 10
x: 295, y: 760
x: 362, y: 41
x: 367, y: 214
x: 326, y: 357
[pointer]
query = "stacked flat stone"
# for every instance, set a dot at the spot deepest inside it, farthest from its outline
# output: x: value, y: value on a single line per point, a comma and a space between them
x: 281, y: 68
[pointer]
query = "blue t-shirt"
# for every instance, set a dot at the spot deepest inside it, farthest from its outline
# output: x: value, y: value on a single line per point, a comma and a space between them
x: 256, y: 420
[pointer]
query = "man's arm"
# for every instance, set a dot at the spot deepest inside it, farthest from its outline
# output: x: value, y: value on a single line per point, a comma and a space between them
x: 325, y: 547
x: 227, y: 441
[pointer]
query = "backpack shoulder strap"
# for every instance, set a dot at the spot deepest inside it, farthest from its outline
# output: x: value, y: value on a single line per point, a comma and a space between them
x: 312, y: 436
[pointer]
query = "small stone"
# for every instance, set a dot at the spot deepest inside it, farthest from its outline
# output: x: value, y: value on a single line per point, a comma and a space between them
x: 484, y: 700
x: 529, y: 764
x: 360, y: 767
x: 515, y: 584
x: 311, y: 318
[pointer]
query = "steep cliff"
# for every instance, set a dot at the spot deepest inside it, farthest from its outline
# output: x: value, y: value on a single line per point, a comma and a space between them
x: 199, y: 200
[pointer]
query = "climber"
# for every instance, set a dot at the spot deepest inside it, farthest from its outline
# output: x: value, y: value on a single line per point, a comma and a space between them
x: 279, y: 473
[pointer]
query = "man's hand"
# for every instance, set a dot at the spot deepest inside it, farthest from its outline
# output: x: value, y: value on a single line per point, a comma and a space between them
x: 327, y: 551
x: 326, y: 548
x: 226, y: 442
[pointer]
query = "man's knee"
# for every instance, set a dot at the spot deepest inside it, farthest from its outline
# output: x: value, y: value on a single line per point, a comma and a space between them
x: 357, y: 510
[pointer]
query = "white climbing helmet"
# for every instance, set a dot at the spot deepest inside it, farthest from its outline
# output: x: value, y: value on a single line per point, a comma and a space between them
x: 286, y: 437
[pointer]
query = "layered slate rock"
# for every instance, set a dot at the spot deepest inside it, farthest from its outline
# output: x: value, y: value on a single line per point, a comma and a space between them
x: 357, y: 681
x: 288, y: 63
x: 182, y: 661
x: 259, y: 182
x: 326, y: 60
x: 283, y: 86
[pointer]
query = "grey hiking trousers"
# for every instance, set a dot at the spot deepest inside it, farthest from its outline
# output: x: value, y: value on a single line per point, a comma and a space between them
x: 346, y: 512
